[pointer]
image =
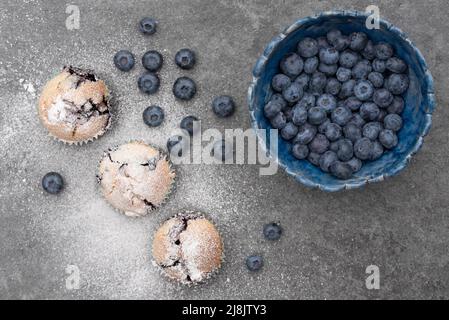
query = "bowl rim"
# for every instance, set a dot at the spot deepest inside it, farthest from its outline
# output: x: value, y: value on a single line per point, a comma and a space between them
x: 266, y: 55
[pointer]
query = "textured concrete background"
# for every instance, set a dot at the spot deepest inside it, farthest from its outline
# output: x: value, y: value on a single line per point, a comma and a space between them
x: 400, y: 225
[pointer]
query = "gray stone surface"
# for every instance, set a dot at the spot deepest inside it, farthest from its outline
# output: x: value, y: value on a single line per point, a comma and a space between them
x: 400, y: 225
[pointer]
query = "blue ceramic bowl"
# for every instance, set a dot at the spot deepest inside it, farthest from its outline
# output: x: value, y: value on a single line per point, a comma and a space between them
x: 419, y: 100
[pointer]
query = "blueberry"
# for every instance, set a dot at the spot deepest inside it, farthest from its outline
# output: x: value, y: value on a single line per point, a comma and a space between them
x: 345, y: 150
x: 185, y: 59
x: 355, y: 164
x: 300, y: 151
x: 341, y: 116
x: 322, y: 127
x: 272, y: 231
x: 363, y: 148
x: 319, y: 144
x: 362, y: 69
x: 333, y: 35
x: 334, y: 146
x: 397, y: 83
x: 348, y: 59
x: 397, y: 106
x: 254, y: 263
x: 223, y: 106
x: 396, y: 65
x: 279, y: 121
x: 322, y: 42
x: 371, y: 130
x: 311, y: 65
x: 369, y: 111
x: 377, y: 79
x: 388, y: 139
x: 289, y: 131
x: 342, y: 43
x: 368, y: 52
x: 329, y: 55
x: 288, y: 113
x: 278, y: 98
x: 341, y: 170
x: 383, y: 51
x: 303, y: 80
x: 382, y: 115
x: 327, y: 102
x: 377, y: 152
x: 308, y: 47
x: 299, y: 115
x: 317, y: 115
x: 307, y: 101
x: 333, y: 132
x: 124, y: 60
x: 175, y: 145
x: 343, y: 74
x: 327, y: 159
x: 306, y: 133
x: 292, y: 65
x: 317, y: 83
x: 184, y: 88
x: 314, y: 158
x: 328, y: 69
x: 53, y: 183
x: 393, y: 122
x: 353, y: 104
x: 152, y: 61
x: 379, y: 65
x: 383, y: 98
x: 153, y: 116
x: 357, y: 120
x: 293, y: 93
x: 333, y: 87
x: 149, y: 83
x: 363, y: 90
x: 190, y: 124
x: 272, y: 109
x: 352, y: 132
x: 148, y: 26
x: 347, y: 89
x: 280, y: 82
x: 359, y: 40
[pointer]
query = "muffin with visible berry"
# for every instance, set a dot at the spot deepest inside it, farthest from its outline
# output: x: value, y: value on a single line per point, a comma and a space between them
x: 74, y: 106
x: 188, y: 248
x: 135, y: 178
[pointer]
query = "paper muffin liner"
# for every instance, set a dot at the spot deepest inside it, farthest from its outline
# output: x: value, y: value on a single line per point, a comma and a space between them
x: 167, y: 195
x: 208, y: 275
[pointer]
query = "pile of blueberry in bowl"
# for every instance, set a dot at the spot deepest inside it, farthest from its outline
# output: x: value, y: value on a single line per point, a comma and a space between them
x: 351, y: 105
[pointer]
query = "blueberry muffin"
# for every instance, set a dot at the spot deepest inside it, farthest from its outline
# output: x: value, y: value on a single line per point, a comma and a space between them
x: 135, y: 178
x: 74, y: 106
x: 188, y: 248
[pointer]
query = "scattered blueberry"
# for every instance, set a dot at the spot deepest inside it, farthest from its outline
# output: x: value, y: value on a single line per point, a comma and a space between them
x: 272, y: 231
x: 149, y: 83
x: 148, y: 26
x: 184, y: 88
x: 190, y: 124
x: 223, y: 106
x: 152, y: 61
x: 153, y: 116
x: 393, y: 122
x: 53, y: 183
x: 124, y: 60
x: 175, y: 146
x: 254, y: 263
x: 185, y: 59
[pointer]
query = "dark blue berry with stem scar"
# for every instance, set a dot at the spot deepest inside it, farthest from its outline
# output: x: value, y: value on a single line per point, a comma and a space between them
x: 311, y: 65
x: 254, y: 263
x: 377, y: 79
x: 358, y: 40
x: 314, y: 158
x: 322, y: 127
x: 53, y: 183
x: 393, y: 122
x: 333, y: 87
x: 345, y: 150
x: 327, y: 159
x: 300, y: 151
x: 307, y: 47
x: 307, y: 101
x: 185, y: 59
x: 341, y: 116
x: 363, y: 90
x: 333, y: 35
x: 153, y: 116
x: 303, y: 80
x: 352, y: 132
x: 279, y: 121
x: 289, y: 131
x: 333, y: 132
x: 334, y: 146
x: 292, y: 65
x: 124, y: 60
x: 288, y: 113
x: 277, y: 97
x: 152, y: 61
x: 299, y: 115
x: 397, y: 106
x: 357, y: 120
x: 280, y: 82
x: 148, y: 26
x: 223, y: 106
x: 353, y: 104
x: 396, y: 65
x: 341, y: 170
x: 327, y: 102
x: 368, y: 51
x: 319, y: 144
x: 343, y: 74
x: 328, y: 69
x: 397, y: 83
x: 184, y: 88
x: 355, y: 164
x: 175, y: 146
x: 362, y: 69
x: 317, y: 83
x: 322, y: 42
x: 342, y: 43
x: 329, y: 55
x: 377, y: 151
x: 293, y: 93
x: 379, y: 65
x: 383, y: 98
x: 347, y: 89
x: 383, y: 51
x: 149, y: 83
x: 190, y: 124
x: 369, y: 111
x: 272, y: 231
x: 371, y: 130
x: 382, y: 115
x: 317, y: 115
x: 348, y: 59
x: 363, y: 148
x: 306, y: 133
x: 388, y: 139
x: 271, y: 109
